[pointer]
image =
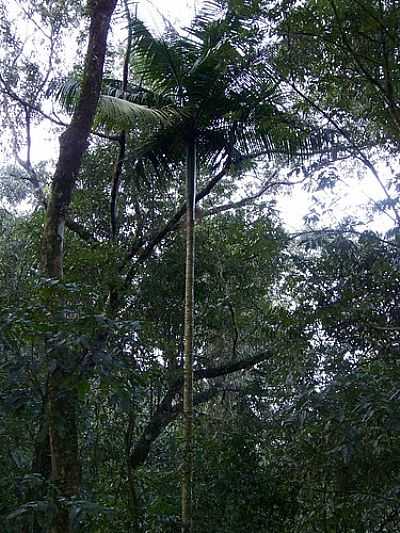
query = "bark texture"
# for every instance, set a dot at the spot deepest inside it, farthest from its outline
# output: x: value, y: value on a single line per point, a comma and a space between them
x: 187, y: 477
x: 62, y: 393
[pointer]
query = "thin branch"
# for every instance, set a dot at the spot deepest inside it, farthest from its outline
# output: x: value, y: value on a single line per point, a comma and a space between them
x: 80, y: 230
x: 241, y: 203
x: 337, y: 232
x: 383, y: 328
x: 14, y: 96
x: 144, y: 250
x: 116, y: 179
x: 393, y: 110
x: 353, y: 54
x: 363, y: 158
x: 357, y: 151
x: 31, y: 18
x: 235, y: 329
x: 33, y: 179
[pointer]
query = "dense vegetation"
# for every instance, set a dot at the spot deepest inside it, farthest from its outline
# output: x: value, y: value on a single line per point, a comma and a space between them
x: 294, y: 354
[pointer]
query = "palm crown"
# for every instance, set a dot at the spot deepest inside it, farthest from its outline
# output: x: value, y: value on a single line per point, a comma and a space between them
x: 211, y: 84
x: 216, y: 79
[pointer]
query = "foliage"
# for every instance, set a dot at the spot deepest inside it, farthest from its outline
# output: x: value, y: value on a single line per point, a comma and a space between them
x: 296, y: 338
x: 343, y: 56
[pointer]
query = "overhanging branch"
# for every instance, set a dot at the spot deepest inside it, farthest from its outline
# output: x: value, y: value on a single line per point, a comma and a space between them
x: 168, y: 411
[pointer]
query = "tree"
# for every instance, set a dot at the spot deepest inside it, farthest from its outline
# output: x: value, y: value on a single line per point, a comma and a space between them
x: 339, y: 59
x: 62, y: 395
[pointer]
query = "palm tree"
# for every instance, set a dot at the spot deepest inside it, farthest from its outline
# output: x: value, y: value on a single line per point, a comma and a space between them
x: 230, y: 110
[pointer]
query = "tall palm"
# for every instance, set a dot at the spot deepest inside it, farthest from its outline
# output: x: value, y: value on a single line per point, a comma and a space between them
x: 229, y: 109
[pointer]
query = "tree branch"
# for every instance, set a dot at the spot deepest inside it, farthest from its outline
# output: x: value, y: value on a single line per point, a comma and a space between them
x: 357, y: 151
x: 80, y: 230
x: 144, y: 250
x: 230, y: 368
x: 386, y: 90
x: 122, y: 137
x: 25, y: 104
x: 167, y: 412
x: 339, y: 232
x: 164, y: 415
x: 241, y: 203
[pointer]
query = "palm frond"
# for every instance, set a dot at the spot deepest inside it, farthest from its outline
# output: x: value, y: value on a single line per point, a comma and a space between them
x: 66, y: 92
x: 135, y: 93
x: 115, y: 110
x: 117, y: 113
x: 158, y: 62
x: 210, y: 11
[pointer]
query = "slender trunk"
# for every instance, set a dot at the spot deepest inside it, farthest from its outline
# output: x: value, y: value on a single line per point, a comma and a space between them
x: 62, y: 393
x: 188, y: 341
x: 114, y: 295
x: 123, y: 137
x: 133, y: 525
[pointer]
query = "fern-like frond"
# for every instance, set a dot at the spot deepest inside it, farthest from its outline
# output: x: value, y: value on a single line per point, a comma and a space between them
x: 117, y: 113
x: 115, y: 110
x: 66, y: 92
x: 135, y: 93
x: 210, y: 11
x: 157, y: 63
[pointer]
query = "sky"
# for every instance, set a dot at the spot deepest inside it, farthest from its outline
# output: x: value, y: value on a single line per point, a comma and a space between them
x: 178, y: 12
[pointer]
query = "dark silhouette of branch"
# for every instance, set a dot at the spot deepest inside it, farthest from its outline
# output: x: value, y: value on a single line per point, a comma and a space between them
x: 230, y: 368
x: 241, y: 203
x: 144, y: 247
x: 165, y: 414
x: 122, y: 137
x: 357, y: 150
x: 386, y: 90
x: 168, y: 410
x: 336, y: 232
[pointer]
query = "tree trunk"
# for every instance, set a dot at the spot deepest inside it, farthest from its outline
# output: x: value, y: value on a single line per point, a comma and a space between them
x: 188, y: 341
x: 62, y: 392
x: 123, y: 136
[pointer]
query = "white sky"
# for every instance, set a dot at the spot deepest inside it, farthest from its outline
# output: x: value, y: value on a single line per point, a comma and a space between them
x: 178, y: 12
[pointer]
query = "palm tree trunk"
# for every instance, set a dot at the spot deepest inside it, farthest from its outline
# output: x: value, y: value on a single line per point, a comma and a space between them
x: 188, y: 341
